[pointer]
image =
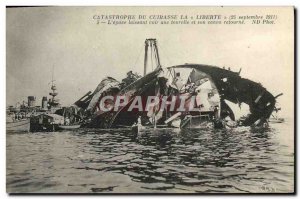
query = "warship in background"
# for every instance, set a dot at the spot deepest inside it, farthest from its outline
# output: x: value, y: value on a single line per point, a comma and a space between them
x: 18, y: 116
x: 50, y: 116
x: 56, y: 117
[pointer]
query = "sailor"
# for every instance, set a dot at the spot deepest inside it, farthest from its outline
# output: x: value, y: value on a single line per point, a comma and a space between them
x: 139, y: 126
x: 179, y: 81
x: 67, y: 121
x: 216, y: 112
x: 130, y: 74
x: 13, y: 116
x: 139, y: 121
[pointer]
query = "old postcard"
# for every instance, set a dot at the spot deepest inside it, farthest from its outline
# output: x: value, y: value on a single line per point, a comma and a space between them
x: 187, y: 100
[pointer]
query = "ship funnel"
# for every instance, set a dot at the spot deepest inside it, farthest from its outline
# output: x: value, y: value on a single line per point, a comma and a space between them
x: 44, y: 103
x: 31, y: 101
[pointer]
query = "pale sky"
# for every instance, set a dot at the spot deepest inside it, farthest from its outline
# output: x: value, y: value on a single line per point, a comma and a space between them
x: 83, y: 52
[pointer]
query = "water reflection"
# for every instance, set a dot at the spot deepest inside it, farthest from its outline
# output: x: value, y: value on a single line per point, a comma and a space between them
x: 236, y: 160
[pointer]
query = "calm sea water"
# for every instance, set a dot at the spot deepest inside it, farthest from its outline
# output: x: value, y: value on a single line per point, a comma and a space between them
x: 205, y: 161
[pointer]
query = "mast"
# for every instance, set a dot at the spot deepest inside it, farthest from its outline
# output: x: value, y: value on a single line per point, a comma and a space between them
x: 154, y: 50
x: 145, y: 59
x: 153, y: 55
x: 53, y: 93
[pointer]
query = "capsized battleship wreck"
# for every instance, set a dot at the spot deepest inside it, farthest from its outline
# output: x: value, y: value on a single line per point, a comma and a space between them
x: 214, y: 89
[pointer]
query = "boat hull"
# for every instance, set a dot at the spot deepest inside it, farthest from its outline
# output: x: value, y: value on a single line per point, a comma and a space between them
x: 279, y: 120
x: 18, y: 126
x: 68, y: 127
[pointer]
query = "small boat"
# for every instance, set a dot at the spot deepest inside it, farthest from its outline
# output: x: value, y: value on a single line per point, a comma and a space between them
x: 45, y: 122
x: 66, y: 127
x: 198, y: 122
x: 139, y: 130
x: 22, y: 125
x: 276, y: 120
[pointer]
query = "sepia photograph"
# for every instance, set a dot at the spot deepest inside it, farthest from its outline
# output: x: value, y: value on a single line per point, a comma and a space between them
x: 150, y: 100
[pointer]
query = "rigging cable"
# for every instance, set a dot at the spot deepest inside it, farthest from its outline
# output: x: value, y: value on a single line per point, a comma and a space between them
x: 151, y: 45
x: 156, y: 56
x: 141, y: 50
x: 165, y: 54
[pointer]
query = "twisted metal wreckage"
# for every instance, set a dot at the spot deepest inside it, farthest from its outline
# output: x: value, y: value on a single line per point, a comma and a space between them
x: 214, y: 89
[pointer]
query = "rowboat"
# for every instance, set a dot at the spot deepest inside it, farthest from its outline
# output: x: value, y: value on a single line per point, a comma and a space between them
x: 18, y: 125
x: 138, y: 129
x: 67, y: 127
x: 276, y: 120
